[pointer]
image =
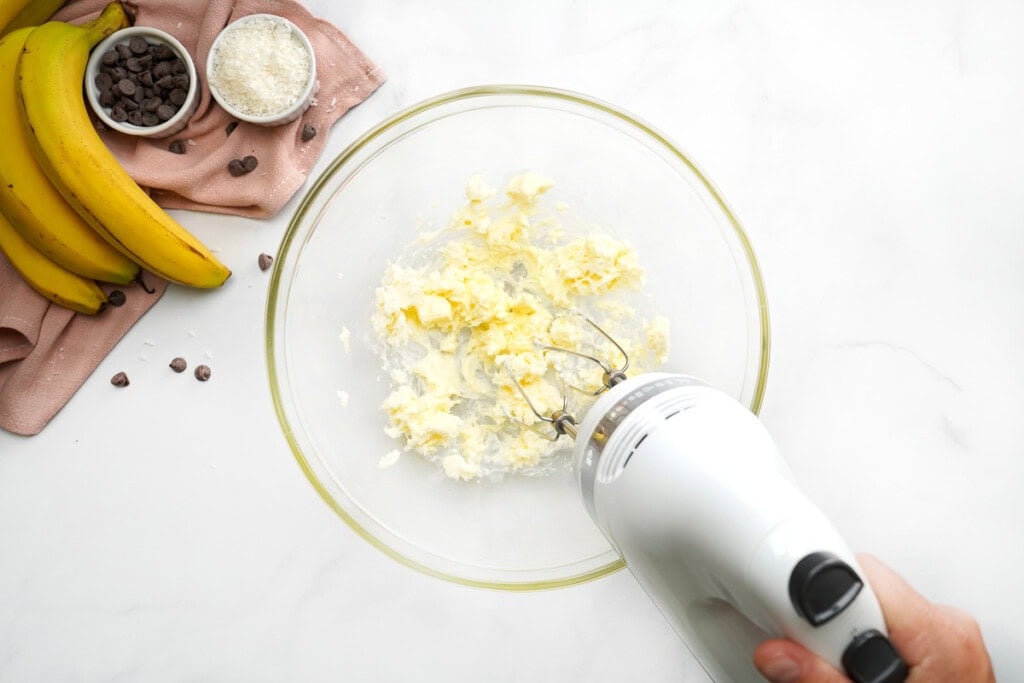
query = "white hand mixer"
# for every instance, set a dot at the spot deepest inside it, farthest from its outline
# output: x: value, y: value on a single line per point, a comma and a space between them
x: 688, y: 486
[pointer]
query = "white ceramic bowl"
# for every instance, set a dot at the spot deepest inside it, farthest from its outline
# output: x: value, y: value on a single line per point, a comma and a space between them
x: 303, y: 98
x: 409, y: 174
x: 154, y: 36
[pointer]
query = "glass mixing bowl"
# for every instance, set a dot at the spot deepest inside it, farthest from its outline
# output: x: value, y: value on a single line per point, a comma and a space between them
x: 409, y: 174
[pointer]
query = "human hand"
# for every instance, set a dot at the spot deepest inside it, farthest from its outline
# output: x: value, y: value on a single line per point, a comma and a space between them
x: 940, y: 644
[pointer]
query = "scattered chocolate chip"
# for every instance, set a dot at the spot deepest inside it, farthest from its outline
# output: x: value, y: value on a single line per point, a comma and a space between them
x: 178, y: 364
x: 264, y: 261
x: 308, y: 133
x: 116, y: 298
x: 178, y: 147
x: 120, y: 380
x: 250, y: 163
x: 202, y: 373
x: 230, y: 128
x: 236, y: 167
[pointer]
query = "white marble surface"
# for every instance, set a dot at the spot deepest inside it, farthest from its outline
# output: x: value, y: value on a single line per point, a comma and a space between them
x: 872, y: 151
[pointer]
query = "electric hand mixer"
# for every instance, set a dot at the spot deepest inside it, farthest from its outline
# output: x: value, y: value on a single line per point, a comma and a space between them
x: 688, y: 486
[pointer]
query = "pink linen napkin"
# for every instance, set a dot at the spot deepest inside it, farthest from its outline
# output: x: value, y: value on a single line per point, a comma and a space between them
x: 47, y: 352
x: 199, y: 179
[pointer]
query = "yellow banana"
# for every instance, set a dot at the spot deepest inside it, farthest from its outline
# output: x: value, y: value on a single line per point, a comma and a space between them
x: 34, y: 206
x: 73, y: 156
x: 16, y: 14
x: 46, y: 277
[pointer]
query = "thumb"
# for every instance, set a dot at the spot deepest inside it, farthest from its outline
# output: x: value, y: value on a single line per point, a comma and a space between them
x: 784, y: 661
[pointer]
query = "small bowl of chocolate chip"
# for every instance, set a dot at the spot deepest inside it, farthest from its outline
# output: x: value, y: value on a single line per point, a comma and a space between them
x: 142, y: 81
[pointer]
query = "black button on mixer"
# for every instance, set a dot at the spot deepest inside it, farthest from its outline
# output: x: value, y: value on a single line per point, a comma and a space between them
x: 871, y: 658
x: 821, y: 586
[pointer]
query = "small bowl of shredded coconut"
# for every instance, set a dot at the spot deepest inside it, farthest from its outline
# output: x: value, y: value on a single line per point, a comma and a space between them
x: 262, y: 69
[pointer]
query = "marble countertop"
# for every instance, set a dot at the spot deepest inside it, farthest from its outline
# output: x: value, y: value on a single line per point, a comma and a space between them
x: 872, y: 152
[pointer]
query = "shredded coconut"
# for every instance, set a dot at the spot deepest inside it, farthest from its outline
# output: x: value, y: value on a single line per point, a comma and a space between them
x: 260, y: 66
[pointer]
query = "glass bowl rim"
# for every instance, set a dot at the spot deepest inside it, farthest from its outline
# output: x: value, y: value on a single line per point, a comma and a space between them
x: 367, y: 139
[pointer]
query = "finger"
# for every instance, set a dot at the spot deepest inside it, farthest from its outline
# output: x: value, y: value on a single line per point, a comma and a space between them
x: 784, y: 661
x: 909, y: 617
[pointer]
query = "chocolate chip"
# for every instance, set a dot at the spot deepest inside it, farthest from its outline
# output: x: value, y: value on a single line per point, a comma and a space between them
x: 264, y: 261
x: 138, y: 45
x: 126, y: 87
x: 116, y: 298
x: 151, y: 104
x: 165, y: 111
x: 161, y: 69
x: 110, y: 58
x: 106, y: 99
x: 135, y: 117
x: 181, y: 81
x: 202, y: 373
x: 178, y: 147
x: 162, y: 52
x: 118, y: 114
x: 129, y: 105
x: 103, y: 81
x: 146, y: 79
x: 133, y: 65
x: 177, y: 97
x: 120, y: 380
x: 150, y: 119
x: 230, y: 128
x: 236, y: 167
x: 308, y: 133
x: 250, y: 163
x: 178, y: 364
x: 123, y: 51
x: 165, y: 82
x: 177, y: 66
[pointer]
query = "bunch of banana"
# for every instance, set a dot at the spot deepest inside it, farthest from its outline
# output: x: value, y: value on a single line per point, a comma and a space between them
x: 20, y: 13
x: 62, y: 192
